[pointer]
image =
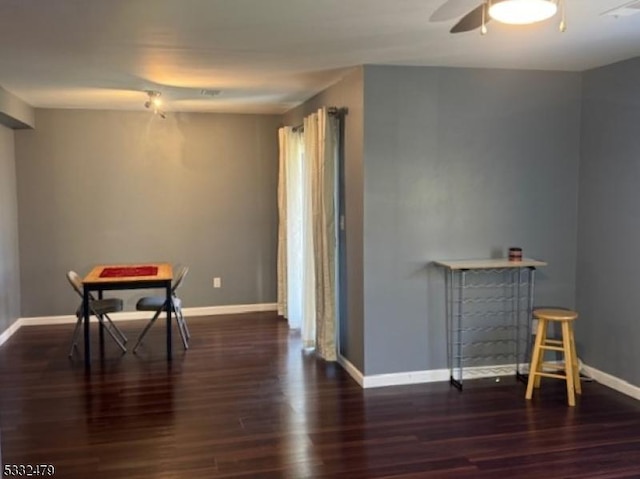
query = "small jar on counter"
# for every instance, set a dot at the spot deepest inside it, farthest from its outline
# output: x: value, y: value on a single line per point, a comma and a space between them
x: 515, y: 254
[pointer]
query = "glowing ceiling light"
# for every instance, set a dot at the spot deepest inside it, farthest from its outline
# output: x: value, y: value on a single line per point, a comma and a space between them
x: 522, y: 12
x: 154, y: 102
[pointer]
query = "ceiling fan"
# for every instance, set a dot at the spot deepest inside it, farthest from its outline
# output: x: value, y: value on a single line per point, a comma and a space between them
x: 515, y: 12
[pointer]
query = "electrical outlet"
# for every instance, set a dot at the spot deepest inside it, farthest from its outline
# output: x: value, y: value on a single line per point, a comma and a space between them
x: 217, y: 282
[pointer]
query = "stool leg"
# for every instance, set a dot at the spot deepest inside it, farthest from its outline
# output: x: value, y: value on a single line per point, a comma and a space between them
x: 535, y: 358
x: 576, y: 364
x: 542, y: 332
x: 568, y: 360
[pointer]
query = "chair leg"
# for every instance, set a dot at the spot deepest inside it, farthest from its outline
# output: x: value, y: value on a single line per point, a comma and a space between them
x: 183, y: 334
x: 146, y: 328
x: 180, y: 317
x: 113, y: 335
x: 184, y: 323
x: 116, y: 329
x: 74, y: 338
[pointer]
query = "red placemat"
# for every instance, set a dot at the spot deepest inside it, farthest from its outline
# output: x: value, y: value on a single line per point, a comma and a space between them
x: 120, y: 272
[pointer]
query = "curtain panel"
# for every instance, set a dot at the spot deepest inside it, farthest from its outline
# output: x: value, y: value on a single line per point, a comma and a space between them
x: 321, y: 137
x: 282, y: 222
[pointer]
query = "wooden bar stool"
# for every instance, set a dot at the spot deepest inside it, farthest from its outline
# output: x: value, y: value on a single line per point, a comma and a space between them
x: 566, y: 345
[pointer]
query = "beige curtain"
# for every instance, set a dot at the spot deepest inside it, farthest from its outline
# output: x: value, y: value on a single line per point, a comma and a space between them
x: 320, y: 147
x: 308, y: 327
x: 282, y: 221
x: 292, y: 235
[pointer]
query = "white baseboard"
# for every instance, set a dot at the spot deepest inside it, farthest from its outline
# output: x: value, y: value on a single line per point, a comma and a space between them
x: 436, y: 375
x: 230, y: 309
x: 353, y: 371
x: 419, y: 377
x: 7, y: 333
x: 47, y: 320
x: 135, y: 315
x: 406, y: 378
x: 612, y: 382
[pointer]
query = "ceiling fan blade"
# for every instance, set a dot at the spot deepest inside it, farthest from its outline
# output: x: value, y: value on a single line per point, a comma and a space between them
x: 472, y: 20
x: 451, y: 9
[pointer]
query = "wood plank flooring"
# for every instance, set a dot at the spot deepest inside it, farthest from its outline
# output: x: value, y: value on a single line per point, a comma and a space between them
x: 246, y: 402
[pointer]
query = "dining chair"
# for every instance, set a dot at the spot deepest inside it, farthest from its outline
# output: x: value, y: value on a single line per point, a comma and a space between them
x: 100, y: 308
x: 158, y: 304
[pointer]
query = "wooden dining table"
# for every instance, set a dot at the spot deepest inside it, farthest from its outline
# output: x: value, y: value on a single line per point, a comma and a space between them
x: 107, y: 277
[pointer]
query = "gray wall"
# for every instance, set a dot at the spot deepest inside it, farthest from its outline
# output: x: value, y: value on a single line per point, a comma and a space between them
x: 9, y: 263
x: 609, y: 221
x: 461, y: 163
x: 112, y: 186
x: 348, y: 93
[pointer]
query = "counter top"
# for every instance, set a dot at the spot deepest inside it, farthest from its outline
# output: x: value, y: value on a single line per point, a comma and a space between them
x: 495, y: 263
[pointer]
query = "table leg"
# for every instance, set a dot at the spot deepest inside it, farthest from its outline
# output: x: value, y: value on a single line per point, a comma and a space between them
x: 169, y: 308
x: 517, y: 318
x: 458, y: 350
x: 87, y: 340
x: 529, y: 322
x: 101, y: 330
x: 448, y: 292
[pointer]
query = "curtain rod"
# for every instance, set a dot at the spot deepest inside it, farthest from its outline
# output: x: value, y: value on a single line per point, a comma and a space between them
x: 336, y: 111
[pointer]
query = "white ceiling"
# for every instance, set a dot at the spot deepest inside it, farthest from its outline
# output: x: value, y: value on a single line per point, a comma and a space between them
x: 268, y: 55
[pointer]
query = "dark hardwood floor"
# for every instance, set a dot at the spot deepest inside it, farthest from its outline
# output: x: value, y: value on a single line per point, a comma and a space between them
x: 245, y: 402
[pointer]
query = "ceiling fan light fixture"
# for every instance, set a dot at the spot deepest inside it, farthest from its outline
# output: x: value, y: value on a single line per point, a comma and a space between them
x: 154, y: 99
x: 522, y: 12
x: 154, y: 102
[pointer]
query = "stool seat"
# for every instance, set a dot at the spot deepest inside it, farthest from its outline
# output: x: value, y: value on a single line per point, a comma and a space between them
x: 538, y: 368
x: 553, y: 314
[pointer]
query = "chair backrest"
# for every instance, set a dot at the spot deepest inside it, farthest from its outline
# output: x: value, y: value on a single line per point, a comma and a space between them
x: 178, y: 281
x: 75, y: 282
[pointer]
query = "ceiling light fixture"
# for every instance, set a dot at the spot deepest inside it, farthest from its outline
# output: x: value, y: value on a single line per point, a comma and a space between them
x: 154, y: 102
x: 522, y: 12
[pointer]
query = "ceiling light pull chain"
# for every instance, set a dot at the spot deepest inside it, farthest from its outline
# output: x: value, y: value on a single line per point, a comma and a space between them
x: 563, y: 22
x: 485, y: 7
